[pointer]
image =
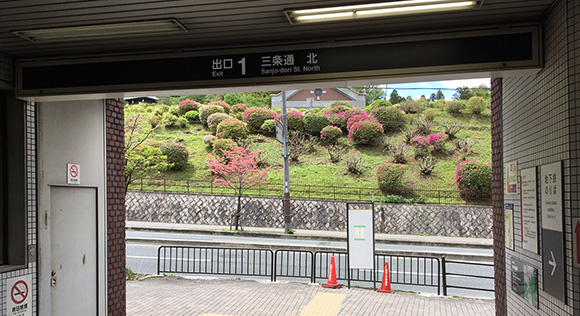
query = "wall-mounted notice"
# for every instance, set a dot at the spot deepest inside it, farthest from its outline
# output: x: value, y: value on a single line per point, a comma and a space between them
x: 529, y: 202
x: 551, y: 184
x: 361, y: 239
x: 525, y: 281
x: 19, y: 296
x: 511, y: 177
x: 576, y: 241
x: 509, y: 225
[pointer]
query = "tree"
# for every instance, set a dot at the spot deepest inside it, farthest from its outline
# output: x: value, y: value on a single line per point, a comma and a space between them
x: 140, y: 159
x: 433, y: 97
x: 373, y: 93
x: 463, y: 93
x: 395, y: 98
x: 238, y: 170
x: 439, y: 95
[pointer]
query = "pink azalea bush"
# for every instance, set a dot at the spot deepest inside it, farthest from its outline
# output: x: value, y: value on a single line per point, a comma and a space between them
x: 216, y: 118
x: 177, y: 155
x: 340, y: 118
x: 186, y: 106
x: 330, y: 134
x: 433, y: 143
x: 223, y: 104
x: 365, y: 132
x: 238, y: 108
x: 255, y: 117
x: 359, y: 118
x: 295, y: 121
x: 473, y: 179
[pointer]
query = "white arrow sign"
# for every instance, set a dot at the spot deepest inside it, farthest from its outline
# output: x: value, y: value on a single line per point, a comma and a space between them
x: 552, y: 263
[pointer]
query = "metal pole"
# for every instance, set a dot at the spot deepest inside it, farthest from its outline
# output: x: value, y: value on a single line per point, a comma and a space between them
x: 444, y: 275
x: 286, y: 201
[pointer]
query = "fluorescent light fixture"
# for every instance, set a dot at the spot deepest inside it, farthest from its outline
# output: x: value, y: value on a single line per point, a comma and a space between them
x: 377, y: 10
x: 102, y: 31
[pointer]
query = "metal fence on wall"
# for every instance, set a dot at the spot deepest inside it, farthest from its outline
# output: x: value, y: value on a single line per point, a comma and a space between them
x: 304, y: 191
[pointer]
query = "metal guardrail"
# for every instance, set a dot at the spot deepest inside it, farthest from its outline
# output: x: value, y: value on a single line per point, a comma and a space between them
x: 406, y: 270
x: 224, y: 261
x: 446, y: 274
x: 299, y: 191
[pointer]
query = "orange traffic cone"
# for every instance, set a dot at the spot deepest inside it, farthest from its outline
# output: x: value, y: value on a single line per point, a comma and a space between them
x: 332, y: 284
x: 386, y: 286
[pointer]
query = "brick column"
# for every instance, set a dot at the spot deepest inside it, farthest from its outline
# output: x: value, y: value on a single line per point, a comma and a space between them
x: 115, y: 207
x: 498, y: 207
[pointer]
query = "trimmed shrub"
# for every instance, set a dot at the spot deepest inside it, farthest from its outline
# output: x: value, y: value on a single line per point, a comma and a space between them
x: 154, y: 120
x: 177, y: 155
x: 380, y: 103
x: 391, y: 118
x: 160, y: 109
x: 476, y: 105
x: 186, y: 106
x: 411, y: 106
x: 429, y: 115
x: 214, y: 119
x: 209, y: 140
x: 337, y: 107
x: 192, y: 116
x: 255, y: 117
x: 473, y: 179
x: 219, y: 145
x: 454, y: 107
x: 269, y: 127
x: 314, y: 123
x: 238, y: 108
x: 330, y: 134
x: 232, y: 128
x: 181, y: 122
x: 295, y: 121
x: 390, y: 179
x: 359, y: 118
x: 345, y: 104
x: 223, y: 104
x: 207, y: 110
x: 341, y: 119
x: 173, y: 110
x: 169, y: 120
x: 433, y: 143
x: 365, y: 132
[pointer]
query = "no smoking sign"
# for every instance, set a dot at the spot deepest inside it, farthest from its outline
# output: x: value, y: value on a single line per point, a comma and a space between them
x: 18, y: 298
x: 73, y: 172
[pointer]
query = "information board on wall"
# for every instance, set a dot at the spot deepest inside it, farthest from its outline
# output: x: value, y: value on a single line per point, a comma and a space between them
x: 361, y: 239
x: 529, y: 202
x: 509, y: 225
x: 525, y: 281
x: 511, y: 177
x: 551, y: 186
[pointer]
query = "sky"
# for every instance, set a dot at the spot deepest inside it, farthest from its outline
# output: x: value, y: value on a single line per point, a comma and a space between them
x: 416, y: 89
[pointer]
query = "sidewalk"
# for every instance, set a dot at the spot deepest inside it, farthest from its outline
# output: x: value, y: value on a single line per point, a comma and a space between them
x: 197, y: 297
x: 437, y: 241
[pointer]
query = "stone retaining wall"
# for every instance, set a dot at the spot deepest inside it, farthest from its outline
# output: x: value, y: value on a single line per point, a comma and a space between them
x: 412, y: 219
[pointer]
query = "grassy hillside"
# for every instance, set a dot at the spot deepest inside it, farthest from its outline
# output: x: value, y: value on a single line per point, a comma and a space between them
x: 316, y: 168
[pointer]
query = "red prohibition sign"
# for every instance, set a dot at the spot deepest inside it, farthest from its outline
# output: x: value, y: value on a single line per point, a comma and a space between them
x: 19, y: 291
x: 74, y: 171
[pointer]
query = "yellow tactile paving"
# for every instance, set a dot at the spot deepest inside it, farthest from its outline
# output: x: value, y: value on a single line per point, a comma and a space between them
x: 323, y: 304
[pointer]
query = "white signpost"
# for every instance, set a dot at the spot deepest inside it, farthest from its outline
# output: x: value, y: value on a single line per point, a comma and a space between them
x: 529, y: 202
x: 361, y: 239
x: 19, y: 296
x: 73, y: 173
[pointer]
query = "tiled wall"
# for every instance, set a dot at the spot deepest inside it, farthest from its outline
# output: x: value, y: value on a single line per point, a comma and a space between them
x: 6, y: 70
x: 32, y: 210
x: 539, y: 120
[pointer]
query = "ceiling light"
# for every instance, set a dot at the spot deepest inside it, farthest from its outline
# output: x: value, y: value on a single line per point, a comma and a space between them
x: 377, y: 10
x: 102, y: 31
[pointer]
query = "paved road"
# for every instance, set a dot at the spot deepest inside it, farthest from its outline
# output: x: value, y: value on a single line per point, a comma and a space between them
x: 198, y: 297
x: 142, y: 258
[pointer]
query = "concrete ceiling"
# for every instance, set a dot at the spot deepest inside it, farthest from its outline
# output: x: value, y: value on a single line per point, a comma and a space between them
x: 226, y: 23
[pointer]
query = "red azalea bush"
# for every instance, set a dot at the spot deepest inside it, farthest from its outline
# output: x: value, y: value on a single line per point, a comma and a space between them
x: 295, y: 121
x: 186, y: 106
x: 330, y: 134
x: 473, y: 179
x: 365, y: 132
x: 177, y: 155
x: 231, y: 128
x: 255, y: 117
x: 359, y: 118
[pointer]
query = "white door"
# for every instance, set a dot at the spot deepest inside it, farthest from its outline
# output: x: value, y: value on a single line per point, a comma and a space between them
x: 73, y: 226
